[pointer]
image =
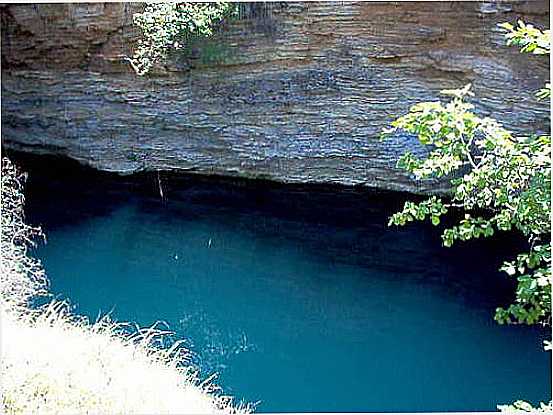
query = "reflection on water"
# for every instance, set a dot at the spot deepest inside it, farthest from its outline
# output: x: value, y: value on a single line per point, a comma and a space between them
x: 302, y: 300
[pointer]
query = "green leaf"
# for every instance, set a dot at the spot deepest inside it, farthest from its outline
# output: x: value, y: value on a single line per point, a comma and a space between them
x: 505, y: 178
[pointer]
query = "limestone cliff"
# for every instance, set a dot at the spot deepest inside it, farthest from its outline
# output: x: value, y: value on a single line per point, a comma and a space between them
x: 293, y: 92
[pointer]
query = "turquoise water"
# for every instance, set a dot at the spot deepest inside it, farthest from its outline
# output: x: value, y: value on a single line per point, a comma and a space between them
x: 301, y: 299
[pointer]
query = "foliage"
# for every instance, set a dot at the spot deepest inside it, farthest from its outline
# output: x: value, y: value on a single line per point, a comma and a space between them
x: 167, y: 26
x: 531, y: 40
x: 525, y: 408
x: 501, y: 182
x: 21, y: 276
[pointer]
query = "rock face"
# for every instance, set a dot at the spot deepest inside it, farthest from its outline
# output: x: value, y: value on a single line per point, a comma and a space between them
x: 293, y: 92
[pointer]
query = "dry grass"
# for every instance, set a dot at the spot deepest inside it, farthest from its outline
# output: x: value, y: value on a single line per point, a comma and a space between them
x: 21, y: 276
x: 54, y: 362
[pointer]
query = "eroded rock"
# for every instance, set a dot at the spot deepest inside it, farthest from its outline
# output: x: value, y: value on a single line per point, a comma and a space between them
x: 293, y: 92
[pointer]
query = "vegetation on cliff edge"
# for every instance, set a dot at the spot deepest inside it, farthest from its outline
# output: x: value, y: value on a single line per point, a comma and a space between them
x: 501, y: 181
x: 168, y: 27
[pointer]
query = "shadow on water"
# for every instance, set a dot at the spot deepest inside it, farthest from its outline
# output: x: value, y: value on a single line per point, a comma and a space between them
x: 299, y: 297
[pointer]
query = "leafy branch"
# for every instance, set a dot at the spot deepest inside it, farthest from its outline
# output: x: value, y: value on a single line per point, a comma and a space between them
x: 506, y: 178
x: 168, y: 26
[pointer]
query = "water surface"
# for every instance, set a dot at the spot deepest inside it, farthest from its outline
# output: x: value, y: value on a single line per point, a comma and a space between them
x: 299, y: 298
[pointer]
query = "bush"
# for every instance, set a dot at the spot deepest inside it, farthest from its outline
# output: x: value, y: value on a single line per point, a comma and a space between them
x: 168, y: 26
